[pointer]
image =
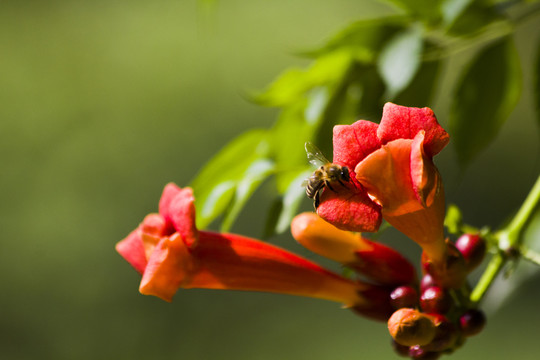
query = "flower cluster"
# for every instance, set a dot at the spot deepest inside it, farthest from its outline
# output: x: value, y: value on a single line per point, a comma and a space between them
x: 392, y: 177
x: 433, y: 318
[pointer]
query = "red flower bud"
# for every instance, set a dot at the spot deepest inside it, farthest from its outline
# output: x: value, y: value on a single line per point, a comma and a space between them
x: 420, y: 353
x: 446, y: 335
x: 473, y: 249
x: 404, y: 297
x: 435, y: 300
x: 472, y: 322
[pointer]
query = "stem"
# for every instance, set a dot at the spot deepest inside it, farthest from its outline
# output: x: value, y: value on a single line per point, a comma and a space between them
x: 510, y: 239
x: 512, y: 233
x: 494, y: 267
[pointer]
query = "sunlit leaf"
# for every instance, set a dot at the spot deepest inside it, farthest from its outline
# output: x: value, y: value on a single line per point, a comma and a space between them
x: 484, y: 98
x: 452, y: 9
x: 286, y: 207
x: 291, y: 201
x: 230, y: 177
x: 365, y: 38
x: 400, y: 59
x: 254, y: 175
x: 218, y: 198
x: 309, y: 115
x: 288, y: 87
x: 294, y: 84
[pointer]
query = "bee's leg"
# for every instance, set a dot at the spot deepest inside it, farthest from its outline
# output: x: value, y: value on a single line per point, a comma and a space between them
x: 341, y: 182
x: 316, y: 200
x: 327, y: 183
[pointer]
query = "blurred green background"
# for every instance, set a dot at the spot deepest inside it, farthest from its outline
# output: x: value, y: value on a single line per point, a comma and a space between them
x: 103, y: 102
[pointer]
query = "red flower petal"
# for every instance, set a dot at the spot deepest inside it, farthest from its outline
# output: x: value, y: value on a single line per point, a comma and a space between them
x: 182, y: 210
x: 167, y: 196
x: 352, y: 143
x: 132, y: 249
x: 424, y: 174
x: 401, y: 122
x: 169, y: 266
x: 350, y: 210
x: 177, y: 206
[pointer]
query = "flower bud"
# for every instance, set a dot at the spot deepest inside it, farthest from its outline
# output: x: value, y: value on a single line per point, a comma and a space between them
x: 472, y: 322
x: 372, y: 259
x: 435, y: 299
x: 445, y: 337
x: 404, y: 297
x: 473, y: 249
x: 419, y: 353
x: 410, y: 327
x: 427, y: 281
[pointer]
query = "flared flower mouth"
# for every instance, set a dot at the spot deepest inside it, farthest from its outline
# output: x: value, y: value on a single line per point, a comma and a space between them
x: 170, y: 253
x: 394, y: 176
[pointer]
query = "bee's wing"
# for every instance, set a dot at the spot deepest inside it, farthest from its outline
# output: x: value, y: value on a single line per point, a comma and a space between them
x: 314, y: 155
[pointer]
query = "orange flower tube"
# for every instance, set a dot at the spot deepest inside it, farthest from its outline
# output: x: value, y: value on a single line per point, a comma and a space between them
x: 372, y: 259
x: 171, y: 254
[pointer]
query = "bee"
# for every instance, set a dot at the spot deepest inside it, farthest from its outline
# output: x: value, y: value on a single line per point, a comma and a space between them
x: 326, y: 174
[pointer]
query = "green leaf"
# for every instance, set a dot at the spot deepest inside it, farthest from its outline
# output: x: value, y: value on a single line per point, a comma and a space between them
x: 426, y: 10
x: 484, y: 98
x: 285, y: 207
x: 467, y: 19
x: 400, y: 59
x: 422, y: 88
x: 254, y: 175
x: 291, y: 201
x: 304, y: 118
x: 364, y: 39
x: 536, y: 75
x: 231, y: 177
x: 372, y: 90
x: 294, y: 84
x: 452, y: 9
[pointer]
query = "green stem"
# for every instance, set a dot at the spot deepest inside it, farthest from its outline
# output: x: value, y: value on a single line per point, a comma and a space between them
x: 494, y: 267
x: 509, y: 240
x: 511, y: 236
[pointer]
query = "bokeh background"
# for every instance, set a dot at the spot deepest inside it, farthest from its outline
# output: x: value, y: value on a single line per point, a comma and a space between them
x: 104, y: 102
